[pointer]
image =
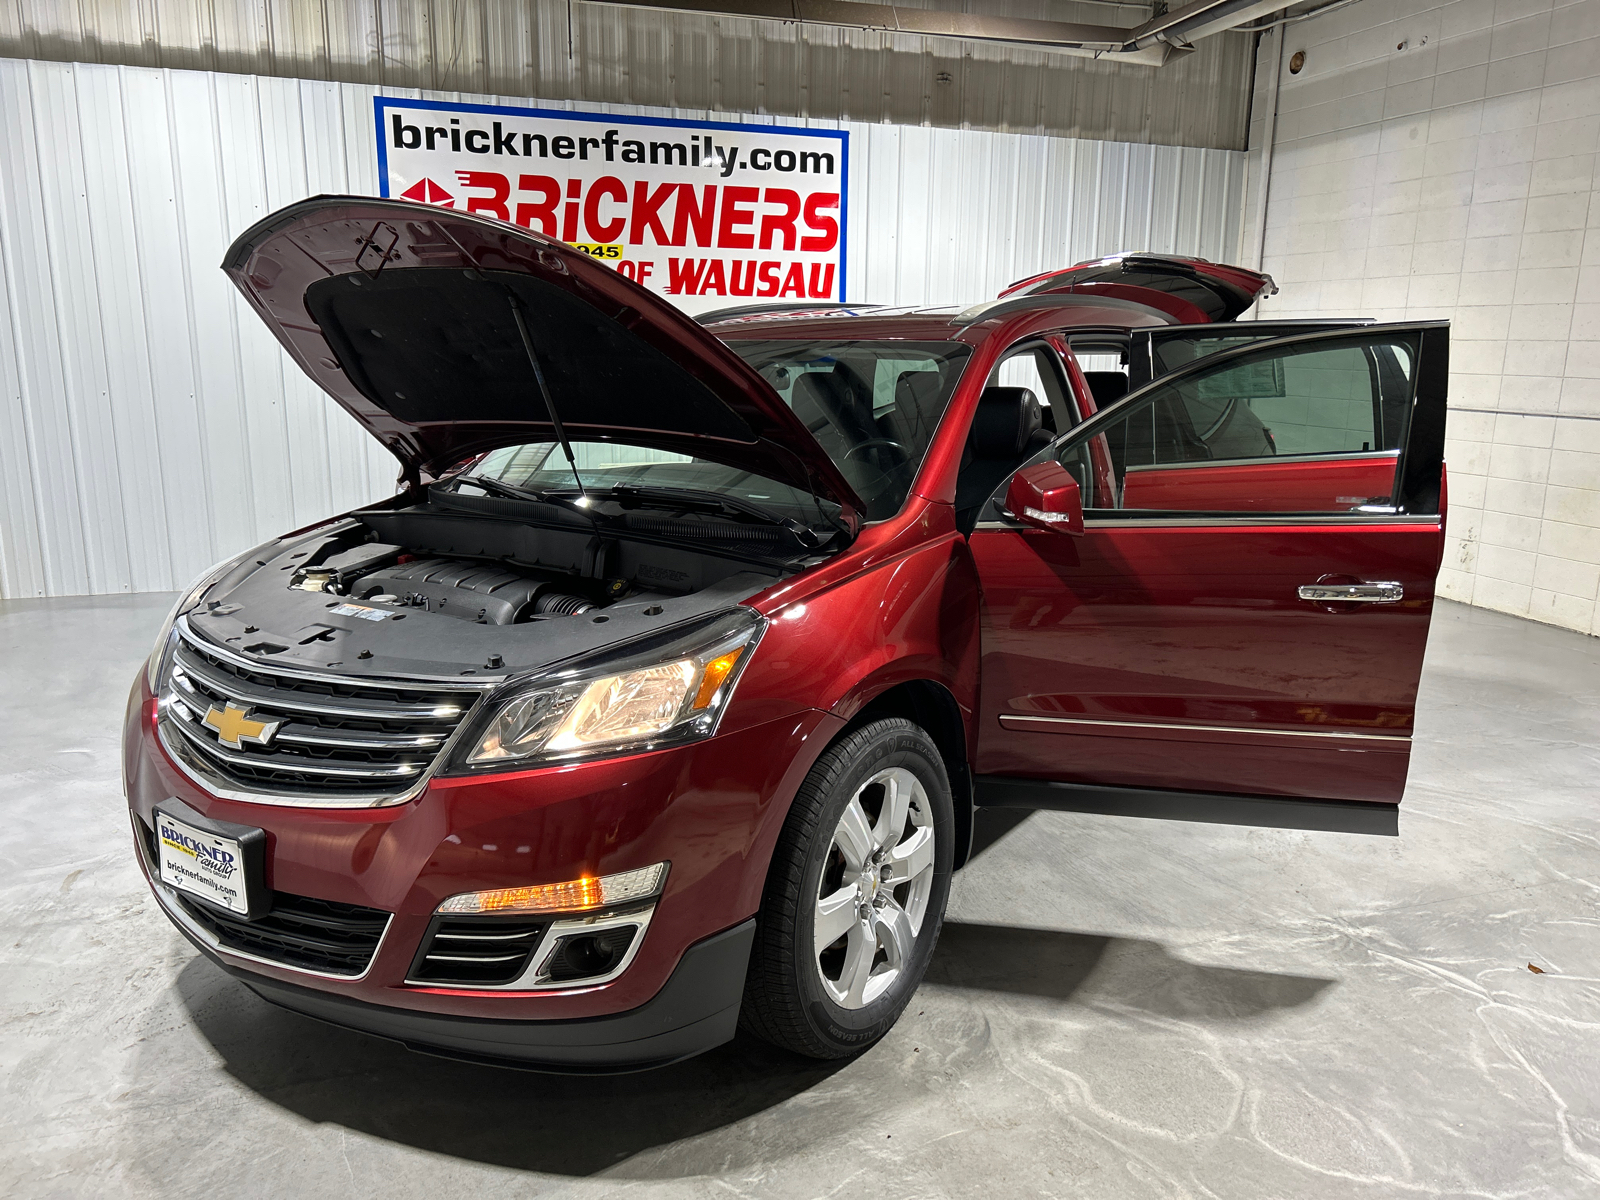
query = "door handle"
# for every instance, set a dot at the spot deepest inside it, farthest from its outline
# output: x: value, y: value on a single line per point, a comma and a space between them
x: 1359, y: 593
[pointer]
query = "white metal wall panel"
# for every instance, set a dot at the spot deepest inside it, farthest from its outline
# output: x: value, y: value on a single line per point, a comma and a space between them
x: 149, y: 424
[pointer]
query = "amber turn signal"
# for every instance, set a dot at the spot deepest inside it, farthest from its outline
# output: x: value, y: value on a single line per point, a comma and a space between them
x: 577, y: 895
x: 715, y: 672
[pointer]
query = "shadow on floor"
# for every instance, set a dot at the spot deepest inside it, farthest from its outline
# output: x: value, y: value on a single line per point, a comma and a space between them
x: 1130, y: 974
x: 577, y: 1126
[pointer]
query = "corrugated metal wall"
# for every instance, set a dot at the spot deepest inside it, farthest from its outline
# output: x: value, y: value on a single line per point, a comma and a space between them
x: 595, y: 52
x: 149, y: 425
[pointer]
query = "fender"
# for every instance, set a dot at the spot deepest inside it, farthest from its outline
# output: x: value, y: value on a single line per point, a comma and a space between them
x: 922, y: 586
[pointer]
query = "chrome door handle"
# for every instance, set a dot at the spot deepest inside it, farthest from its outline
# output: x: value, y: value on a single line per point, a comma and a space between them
x: 1360, y: 593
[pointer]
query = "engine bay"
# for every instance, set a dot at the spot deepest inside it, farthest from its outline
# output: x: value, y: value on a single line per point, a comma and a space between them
x: 444, y: 584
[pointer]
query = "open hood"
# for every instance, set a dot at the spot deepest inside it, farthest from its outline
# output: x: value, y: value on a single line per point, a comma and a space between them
x: 404, y: 314
x: 1193, y: 290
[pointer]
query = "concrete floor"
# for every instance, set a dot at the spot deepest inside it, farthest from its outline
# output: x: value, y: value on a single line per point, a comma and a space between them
x: 1116, y: 1008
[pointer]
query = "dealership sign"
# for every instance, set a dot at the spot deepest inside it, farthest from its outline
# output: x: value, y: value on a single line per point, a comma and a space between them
x: 688, y: 208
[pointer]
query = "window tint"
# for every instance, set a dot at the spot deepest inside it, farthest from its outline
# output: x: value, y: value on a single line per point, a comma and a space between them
x: 1037, y: 370
x: 1311, y: 428
x: 872, y: 406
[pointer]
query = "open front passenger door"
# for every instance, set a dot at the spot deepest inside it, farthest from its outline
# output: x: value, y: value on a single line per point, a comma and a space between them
x: 1236, y: 634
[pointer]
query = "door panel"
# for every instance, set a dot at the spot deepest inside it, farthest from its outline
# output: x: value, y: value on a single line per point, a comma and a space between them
x: 1294, y: 485
x: 1182, y: 657
x: 1170, y: 649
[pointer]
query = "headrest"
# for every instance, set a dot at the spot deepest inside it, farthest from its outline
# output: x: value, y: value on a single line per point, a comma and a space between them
x: 1006, y: 421
x: 917, y: 389
x: 1107, y: 386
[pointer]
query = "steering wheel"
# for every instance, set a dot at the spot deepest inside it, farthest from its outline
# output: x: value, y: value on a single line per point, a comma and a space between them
x: 905, y: 454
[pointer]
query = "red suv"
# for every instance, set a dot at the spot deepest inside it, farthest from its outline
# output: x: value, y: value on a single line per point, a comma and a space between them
x: 661, y: 698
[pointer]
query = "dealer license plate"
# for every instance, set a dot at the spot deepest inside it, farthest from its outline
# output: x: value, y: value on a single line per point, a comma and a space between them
x: 202, y: 864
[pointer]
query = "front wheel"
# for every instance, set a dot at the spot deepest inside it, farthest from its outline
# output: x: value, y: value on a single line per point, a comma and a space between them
x: 855, y: 895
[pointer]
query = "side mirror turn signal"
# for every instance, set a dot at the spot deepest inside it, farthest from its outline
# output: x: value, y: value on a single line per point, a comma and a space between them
x: 1046, y: 496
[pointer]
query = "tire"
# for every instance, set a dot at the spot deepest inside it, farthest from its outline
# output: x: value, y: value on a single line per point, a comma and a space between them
x: 884, y: 888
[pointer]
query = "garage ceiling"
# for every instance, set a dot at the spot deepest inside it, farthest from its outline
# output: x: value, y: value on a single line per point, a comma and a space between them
x: 1009, y: 67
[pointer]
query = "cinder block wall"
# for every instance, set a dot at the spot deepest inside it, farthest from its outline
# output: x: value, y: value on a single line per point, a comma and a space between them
x: 1439, y: 160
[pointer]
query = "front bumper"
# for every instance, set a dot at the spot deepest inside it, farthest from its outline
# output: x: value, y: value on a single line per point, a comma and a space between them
x: 697, y: 1010
x: 712, y: 809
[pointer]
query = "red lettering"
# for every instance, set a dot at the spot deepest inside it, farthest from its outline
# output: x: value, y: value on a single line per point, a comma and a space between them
x: 794, y: 281
x: 783, y: 222
x: 647, y: 212
x: 769, y: 279
x: 607, y: 186
x: 499, y: 185
x: 644, y: 270
x: 742, y: 284
x: 823, y: 289
x: 569, y: 221
x: 545, y: 211
x: 714, y: 279
x: 691, y: 212
x: 625, y: 268
x: 683, y: 275
x: 827, y: 227
x: 735, y: 218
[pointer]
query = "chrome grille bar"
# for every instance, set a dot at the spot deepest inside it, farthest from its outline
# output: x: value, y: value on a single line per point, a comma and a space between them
x: 330, y: 740
x: 281, y: 762
x: 284, y: 700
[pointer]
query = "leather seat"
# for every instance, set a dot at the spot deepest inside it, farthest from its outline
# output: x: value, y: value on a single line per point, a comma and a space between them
x: 1007, y: 430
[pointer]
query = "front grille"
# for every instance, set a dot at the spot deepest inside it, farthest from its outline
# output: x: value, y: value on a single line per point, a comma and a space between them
x: 333, y: 739
x: 314, y: 935
x: 476, y: 951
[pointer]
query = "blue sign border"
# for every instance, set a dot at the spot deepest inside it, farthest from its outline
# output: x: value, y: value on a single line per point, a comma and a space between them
x: 379, y: 103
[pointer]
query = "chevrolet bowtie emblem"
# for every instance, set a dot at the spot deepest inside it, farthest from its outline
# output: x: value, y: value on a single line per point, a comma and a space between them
x: 234, y: 726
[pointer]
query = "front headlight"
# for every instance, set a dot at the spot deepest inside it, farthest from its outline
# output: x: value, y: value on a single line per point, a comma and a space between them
x: 191, y: 596
x: 664, y: 695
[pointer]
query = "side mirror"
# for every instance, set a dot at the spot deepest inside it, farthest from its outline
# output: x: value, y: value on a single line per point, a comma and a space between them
x: 1046, y: 496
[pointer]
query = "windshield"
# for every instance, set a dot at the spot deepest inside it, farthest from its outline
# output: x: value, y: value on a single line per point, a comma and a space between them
x: 541, y: 467
x: 872, y: 406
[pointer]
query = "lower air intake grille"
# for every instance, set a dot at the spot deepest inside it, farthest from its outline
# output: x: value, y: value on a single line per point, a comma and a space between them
x: 476, y: 951
x: 314, y: 935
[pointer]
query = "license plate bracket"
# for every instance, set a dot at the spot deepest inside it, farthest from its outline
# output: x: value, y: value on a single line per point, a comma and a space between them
x: 218, y: 863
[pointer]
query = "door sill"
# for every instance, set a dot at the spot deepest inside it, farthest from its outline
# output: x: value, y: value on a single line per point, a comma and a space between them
x: 1217, y: 808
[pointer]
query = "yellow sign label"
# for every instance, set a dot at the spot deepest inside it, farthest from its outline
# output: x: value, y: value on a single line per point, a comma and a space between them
x: 600, y: 249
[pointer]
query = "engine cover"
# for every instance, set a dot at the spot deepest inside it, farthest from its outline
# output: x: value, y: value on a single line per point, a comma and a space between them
x: 477, y: 592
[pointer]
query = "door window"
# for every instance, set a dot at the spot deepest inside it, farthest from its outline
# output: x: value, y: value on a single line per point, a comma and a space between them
x: 1037, y: 369
x: 1311, y: 428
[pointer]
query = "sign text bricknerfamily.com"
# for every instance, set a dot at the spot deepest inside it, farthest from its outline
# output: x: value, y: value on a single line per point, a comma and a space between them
x: 690, y: 208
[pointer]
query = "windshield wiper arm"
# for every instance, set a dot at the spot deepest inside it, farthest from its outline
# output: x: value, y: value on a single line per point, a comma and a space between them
x: 510, y: 491
x: 497, y: 487
x: 800, y: 531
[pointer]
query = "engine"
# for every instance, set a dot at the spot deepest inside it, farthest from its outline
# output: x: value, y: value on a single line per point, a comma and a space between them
x: 484, y: 592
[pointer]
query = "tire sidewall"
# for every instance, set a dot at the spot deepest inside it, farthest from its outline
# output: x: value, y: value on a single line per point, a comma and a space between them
x: 900, y: 744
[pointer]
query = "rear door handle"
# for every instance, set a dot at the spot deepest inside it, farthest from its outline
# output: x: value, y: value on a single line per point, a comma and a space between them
x: 1360, y: 593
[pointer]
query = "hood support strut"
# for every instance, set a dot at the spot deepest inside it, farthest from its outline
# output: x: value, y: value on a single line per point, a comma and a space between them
x: 544, y: 390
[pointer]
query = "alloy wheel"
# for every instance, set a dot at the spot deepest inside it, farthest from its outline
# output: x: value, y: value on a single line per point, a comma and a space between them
x: 874, y: 890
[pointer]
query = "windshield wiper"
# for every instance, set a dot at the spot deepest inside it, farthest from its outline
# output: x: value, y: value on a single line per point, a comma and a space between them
x: 718, y: 502
x: 505, y: 491
x: 510, y: 491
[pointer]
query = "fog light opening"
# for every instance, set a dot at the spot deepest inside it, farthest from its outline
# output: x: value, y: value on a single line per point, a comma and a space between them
x: 580, y: 956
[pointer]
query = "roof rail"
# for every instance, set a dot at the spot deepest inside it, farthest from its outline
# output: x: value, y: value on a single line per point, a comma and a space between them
x: 1001, y: 308
x: 757, y: 310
